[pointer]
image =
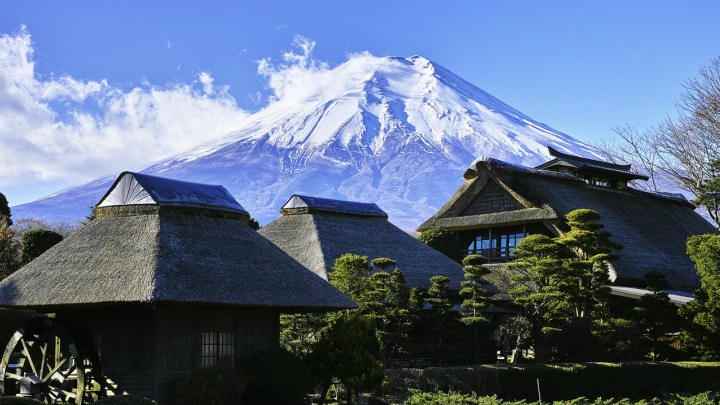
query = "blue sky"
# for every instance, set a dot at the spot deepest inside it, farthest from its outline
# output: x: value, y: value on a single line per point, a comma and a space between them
x: 86, y: 83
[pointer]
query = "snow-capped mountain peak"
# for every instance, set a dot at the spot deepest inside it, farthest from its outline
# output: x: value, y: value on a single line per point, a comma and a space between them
x: 395, y: 131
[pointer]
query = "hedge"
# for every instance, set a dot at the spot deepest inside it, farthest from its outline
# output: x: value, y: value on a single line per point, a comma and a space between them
x: 422, y: 398
x: 559, y: 381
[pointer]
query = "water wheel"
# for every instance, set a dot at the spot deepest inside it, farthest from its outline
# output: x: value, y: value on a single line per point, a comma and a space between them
x: 52, y: 361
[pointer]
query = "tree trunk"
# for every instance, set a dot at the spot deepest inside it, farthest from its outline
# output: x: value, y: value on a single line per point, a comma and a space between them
x: 477, y: 345
x: 348, y: 395
x: 323, y: 393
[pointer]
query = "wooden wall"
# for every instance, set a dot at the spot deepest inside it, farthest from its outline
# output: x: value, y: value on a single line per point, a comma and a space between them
x: 147, y: 349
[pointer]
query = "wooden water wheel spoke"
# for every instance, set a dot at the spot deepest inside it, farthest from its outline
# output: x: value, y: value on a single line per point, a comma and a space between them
x: 43, y: 350
x: 13, y: 376
x: 54, y: 370
x: 26, y: 352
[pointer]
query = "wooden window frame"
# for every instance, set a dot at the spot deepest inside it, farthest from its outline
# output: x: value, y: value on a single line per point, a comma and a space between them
x: 214, y: 345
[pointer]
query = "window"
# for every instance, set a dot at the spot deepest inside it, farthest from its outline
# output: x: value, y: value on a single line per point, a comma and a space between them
x: 218, y: 348
x: 497, y: 244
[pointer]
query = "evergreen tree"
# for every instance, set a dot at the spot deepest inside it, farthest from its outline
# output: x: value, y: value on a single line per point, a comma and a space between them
x: 255, y: 225
x: 5, y: 209
x: 348, y: 352
x: 701, y: 332
x: 656, y: 315
x: 351, y: 275
x: 443, y: 241
x: 9, y: 249
x: 393, y: 307
x: 540, y: 277
x: 299, y: 332
x: 442, y: 318
x: 592, y: 247
x: 37, y: 242
x: 475, y: 297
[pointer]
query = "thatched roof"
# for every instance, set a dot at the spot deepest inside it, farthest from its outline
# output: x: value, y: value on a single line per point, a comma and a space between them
x: 140, y: 189
x: 317, y: 235
x: 652, y: 227
x: 169, y: 252
x: 589, y: 166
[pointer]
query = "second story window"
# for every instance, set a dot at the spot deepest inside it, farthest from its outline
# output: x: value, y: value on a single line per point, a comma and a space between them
x: 497, y: 245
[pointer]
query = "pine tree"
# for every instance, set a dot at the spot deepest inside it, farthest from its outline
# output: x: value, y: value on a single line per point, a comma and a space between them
x: 540, y: 277
x: 592, y: 249
x: 299, y: 332
x: 351, y: 275
x: 5, y: 209
x: 475, y: 297
x: 393, y: 307
x: 348, y: 352
x: 656, y: 315
x: 442, y: 318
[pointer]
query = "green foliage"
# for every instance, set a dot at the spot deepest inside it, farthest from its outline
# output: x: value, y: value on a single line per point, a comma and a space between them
x: 382, y: 262
x: 9, y: 249
x: 216, y: 385
x: 561, y: 382
x: 298, y: 332
x: 5, y: 209
x: 702, y: 327
x: 124, y: 400
x: 656, y: 315
x: 18, y: 401
x: 541, y: 278
x: 348, y: 352
x: 393, y: 308
x: 475, y: 297
x: 441, y: 316
x: 255, y: 225
x: 351, y: 275
x: 440, y: 398
x: 592, y: 248
x: 443, y: 241
x: 277, y: 377
x: 37, y: 242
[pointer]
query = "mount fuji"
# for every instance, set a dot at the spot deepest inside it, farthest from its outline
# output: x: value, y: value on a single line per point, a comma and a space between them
x: 395, y: 131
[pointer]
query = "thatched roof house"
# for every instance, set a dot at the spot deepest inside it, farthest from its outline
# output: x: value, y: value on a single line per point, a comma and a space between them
x: 158, y: 240
x: 316, y: 231
x: 168, y: 278
x: 500, y: 203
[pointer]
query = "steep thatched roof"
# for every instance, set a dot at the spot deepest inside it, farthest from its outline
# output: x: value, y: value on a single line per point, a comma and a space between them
x: 316, y: 235
x: 202, y: 252
x: 652, y: 227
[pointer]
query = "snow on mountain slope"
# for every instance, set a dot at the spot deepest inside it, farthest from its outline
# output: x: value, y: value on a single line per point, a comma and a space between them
x: 396, y: 131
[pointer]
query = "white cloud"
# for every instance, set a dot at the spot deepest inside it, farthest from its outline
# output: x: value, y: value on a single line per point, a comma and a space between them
x: 301, y: 77
x: 74, y: 130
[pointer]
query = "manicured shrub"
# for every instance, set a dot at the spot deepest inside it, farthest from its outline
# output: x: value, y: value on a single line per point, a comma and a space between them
x: 125, y: 400
x: 18, y: 401
x: 277, y: 377
x: 424, y: 398
x: 216, y: 385
x: 560, y: 381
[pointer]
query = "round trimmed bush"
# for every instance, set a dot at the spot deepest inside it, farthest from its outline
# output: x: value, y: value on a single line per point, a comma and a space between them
x: 216, y: 385
x: 278, y: 377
